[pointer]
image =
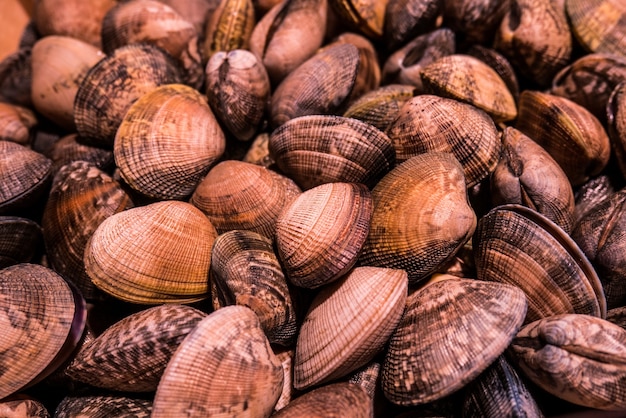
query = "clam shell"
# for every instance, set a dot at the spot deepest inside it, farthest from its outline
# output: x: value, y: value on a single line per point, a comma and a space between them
x: 451, y: 331
x: 338, y: 399
x: 368, y: 16
x: 349, y: 322
x: 152, y: 254
x: 102, y: 407
x: 379, y: 107
x: 23, y: 407
x: 617, y: 316
x: 319, y: 149
x: 500, y: 65
x: 616, y: 115
x: 238, y: 195
x: 68, y: 149
x: 475, y: 20
x: 167, y: 142
x: 131, y: 355
x: 259, y: 153
x: 368, y: 76
x: 286, y: 358
x: 225, y: 366
x: 579, y: 358
x: 421, y: 216
x: 15, y: 77
x: 41, y: 321
x: 16, y: 123
x: 599, y: 25
x: 228, y: 27
x: 429, y: 123
x: 406, y: 19
x: 591, y: 193
x: 368, y: 377
x: 320, y: 233
x: 195, y: 11
x: 20, y: 240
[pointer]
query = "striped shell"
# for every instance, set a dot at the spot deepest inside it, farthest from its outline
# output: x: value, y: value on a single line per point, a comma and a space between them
x: 599, y: 25
x: 335, y: 400
x: 379, y: 107
x: 368, y: 16
x: 100, y: 406
x: 228, y: 27
x: 406, y: 19
x: 616, y: 116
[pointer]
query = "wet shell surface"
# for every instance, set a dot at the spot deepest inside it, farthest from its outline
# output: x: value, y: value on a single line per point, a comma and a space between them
x: 599, y: 25
x: 318, y: 149
x: 152, y: 254
x: 319, y: 235
x: 103, y: 407
x: 167, y: 142
x: 225, y: 366
x: 349, y: 322
x: 15, y: 77
x: 338, y: 399
x: 421, y: 216
x: 131, y: 355
x: 20, y: 240
x: 451, y: 331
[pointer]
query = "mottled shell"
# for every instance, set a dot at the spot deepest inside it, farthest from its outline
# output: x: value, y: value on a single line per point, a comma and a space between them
x: 41, y: 321
x: 21, y: 239
x: 430, y: 123
x: 259, y: 153
x: 245, y: 271
x: 367, y: 16
x: 16, y: 123
x: 616, y: 117
x: 617, y: 316
x: 319, y: 235
x: 23, y: 407
x: 68, y: 149
x: 59, y: 65
x: 570, y: 133
x: 527, y: 175
x: 592, y: 192
x: 379, y: 107
x: 238, y: 89
x: 451, y: 331
x: 475, y: 20
x: 318, y: 149
x: 288, y: 35
x: 349, y: 322
x: 470, y: 80
x: 335, y: 400
x: 112, y: 85
x: 224, y: 367
x: 15, y: 77
x: 500, y: 64
x: 599, y: 25
x: 229, y: 27
x: 579, y: 358
x: 516, y: 245
x: 82, y: 196
x: 369, y: 74
x: 103, y: 407
x: 152, y: 254
x: 238, y: 195
x: 132, y: 354
x: 421, y: 216
x: 167, y: 142
x: 406, y: 19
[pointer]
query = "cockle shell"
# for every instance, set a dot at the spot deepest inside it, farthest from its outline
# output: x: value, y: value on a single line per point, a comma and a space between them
x: 334, y: 400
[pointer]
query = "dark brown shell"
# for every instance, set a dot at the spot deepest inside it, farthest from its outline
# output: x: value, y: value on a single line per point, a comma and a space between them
x: 21, y: 239
x: 475, y: 20
x: 379, y: 107
x: 406, y: 19
x: 368, y: 76
x: 68, y: 149
x: 16, y: 123
x: 599, y: 25
x: 334, y: 400
x: 616, y: 118
x: 103, y: 407
x: 15, y: 76
x: 592, y: 192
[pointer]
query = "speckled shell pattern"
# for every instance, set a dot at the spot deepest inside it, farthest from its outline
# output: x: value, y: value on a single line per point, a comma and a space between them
x: 599, y: 25
x: 337, y: 399
x: 102, y: 407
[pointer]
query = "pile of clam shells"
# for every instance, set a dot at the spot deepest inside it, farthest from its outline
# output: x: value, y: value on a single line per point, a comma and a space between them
x: 355, y: 208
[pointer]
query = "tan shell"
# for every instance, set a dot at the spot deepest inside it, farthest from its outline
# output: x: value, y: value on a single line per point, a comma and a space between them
x: 428, y: 123
x: 228, y: 27
x: 319, y: 235
x: 238, y: 195
x: 450, y: 332
x: 167, y: 142
x: 153, y: 254
x: 16, y: 123
x: 569, y: 132
x: 318, y: 149
x: 421, y: 216
x: 368, y: 16
x: 379, y: 107
x: 467, y: 79
x: 591, y: 193
x: 368, y: 377
x: 579, y: 358
x: 103, y: 407
x: 132, y: 354
x: 259, y: 153
x: 335, y: 400
x: 500, y: 64
x: 225, y: 366
x: 21, y: 239
x: 286, y: 358
x: 599, y: 25
x: 349, y: 322
x: 406, y: 19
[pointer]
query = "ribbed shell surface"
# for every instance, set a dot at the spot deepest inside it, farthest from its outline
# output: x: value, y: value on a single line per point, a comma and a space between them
x: 616, y: 120
x: 167, y: 142
x: 319, y: 149
x: 228, y: 27
x: 225, y: 367
x: 429, y: 123
x: 20, y: 240
x: 320, y: 234
x: 349, y: 322
x: 368, y: 16
x: 131, y: 355
x: 103, y: 407
x: 335, y: 400
x: 153, y: 254
x: 450, y: 332
x: 24, y: 407
x: 421, y: 216
x: 68, y: 149
x: 405, y: 19
x: 379, y: 107
x: 599, y: 25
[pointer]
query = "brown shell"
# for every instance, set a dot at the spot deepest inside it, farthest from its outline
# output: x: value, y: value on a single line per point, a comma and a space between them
x: 616, y: 116
x: 592, y: 192
x: 570, y: 133
x: 103, y: 407
x: 132, y: 354
x: 475, y: 20
x: 238, y: 195
x: 224, y: 366
x: 368, y: 16
x: 430, y: 123
x: 379, y: 107
x: 195, y: 11
x: 259, y: 153
x: 579, y: 358
x: 349, y: 322
x: 112, y: 85
x: 21, y: 239
x: 21, y: 406
x: 500, y: 64
x: 286, y: 358
x: 153, y: 254
x: 617, y: 316
x: 228, y: 27
x: 82, y: 196
x: 516, y: 245
x: 527, y: 175
x: 335, y: 400
x: 369, y: 74
x: 318, y: 149
x: 68, y: 149
x: 450, y: 332
x: 368, y: 377
x: 470, y: 80
x: 406, y: 19
x: 15, y: 77
x: 246, y: 271
x: 421, y: 216
x: 599, y: 25
x: 16, y: 123
x: 167, y: 142
x: 320, y: 233
x: 41, y: 321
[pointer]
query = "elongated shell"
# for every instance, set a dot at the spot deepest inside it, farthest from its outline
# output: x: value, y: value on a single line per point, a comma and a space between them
x: 167, y: 142
x: 224, y: 366
x: 599, y: 25
x: 349, y: 322
x: 450, y: 332
x: 319, y: 235
x: 337, y: 399
x: 579, y: 358
x: 152, y: 254
x: 228, y: 27
x: 421, y: 216
x: 21, y: 239
x: 132, y: 354
x: 379, y: 107
x: 319, y: 149
x: 103, y: 407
